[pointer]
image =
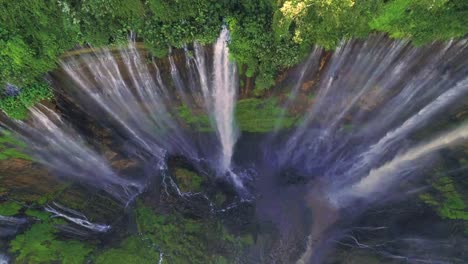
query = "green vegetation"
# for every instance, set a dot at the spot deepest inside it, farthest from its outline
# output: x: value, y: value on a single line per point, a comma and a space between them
x: 197, y: 121
x: 252, y: 115
x: 133, y: 250
x: 9, y: 208
x: 9, y: 147
x: 17, y: 106
x: 266, y: 35
x: 187, y: 180
x: 40, y: 245
x: 423, y: 21
x: 447, y: 200
x: 175, y: 23
x: 180, y: 240
x: 261, y: 115
x: 448, y: 196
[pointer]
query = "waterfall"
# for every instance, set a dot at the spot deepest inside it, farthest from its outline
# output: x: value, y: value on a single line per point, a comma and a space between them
x: 366, y: 122
x: 373, y: 86
x: 224, y: 99
x: 53, y: 143
x: 377, y: 150
x: 4, y: 259
x: 132, y: 98
x: 76, y: 217
x: 201, y: 66
x: 220, y: 96
x: 390, y: 173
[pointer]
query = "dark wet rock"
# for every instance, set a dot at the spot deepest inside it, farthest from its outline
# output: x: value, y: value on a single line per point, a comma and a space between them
x: 96, y: 205
x: 292, y: 177
x: 10, y: 226
x: 24, y: 181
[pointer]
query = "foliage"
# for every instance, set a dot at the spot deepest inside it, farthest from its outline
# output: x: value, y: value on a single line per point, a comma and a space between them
x: 103, y: 22
x: 39, y: 244
x: 323, y: 22
x: 17, y: 106
x: 423, y: 21
x: 184, y: 240
x: 41, y: 215
x: 447, y: 200
x: 33, y: 34
x: 9, y: 208
x: 188, y: 181
x: 133, y: 250
x: 176, y: 23
x: 254, y: 45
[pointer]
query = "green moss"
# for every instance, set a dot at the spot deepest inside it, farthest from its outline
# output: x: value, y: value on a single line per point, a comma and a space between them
x: 184, y: 240
x: 219, y: 199
x: 448, y: 202
x: 10, y: 147
x: 52, y: 195
x: 260, y: 115
x: 40, y: 245
x: 9, y: 208
x: 133, y: 250
x: 200, y: 122
x: 188, y: 181
x: 247, y: 240
x: 41, y: 215
x: 252, y: 115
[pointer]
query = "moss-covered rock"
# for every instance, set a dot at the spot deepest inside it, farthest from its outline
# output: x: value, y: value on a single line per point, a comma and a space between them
x: 187, y: 180
x: 133, y: 250
x: 255, y: 115
x: 447, y: 200
x: 10, y: 147
x: 198, y: 121
x: 184, y: 240
x: 261, y: 115
x: 40, y: 245
x: 9, y: 208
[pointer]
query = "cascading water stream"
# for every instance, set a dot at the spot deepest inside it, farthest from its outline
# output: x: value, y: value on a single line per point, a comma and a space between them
x: 134, y: 100
x: 4, y: 259
x: 61, y: 149
x: 224, y: 96
x: 358, y: 140
x: 355, y: 140
x: 392, y: 172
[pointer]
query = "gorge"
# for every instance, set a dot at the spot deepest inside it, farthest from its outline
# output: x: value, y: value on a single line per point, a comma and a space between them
x: 354, y: 155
